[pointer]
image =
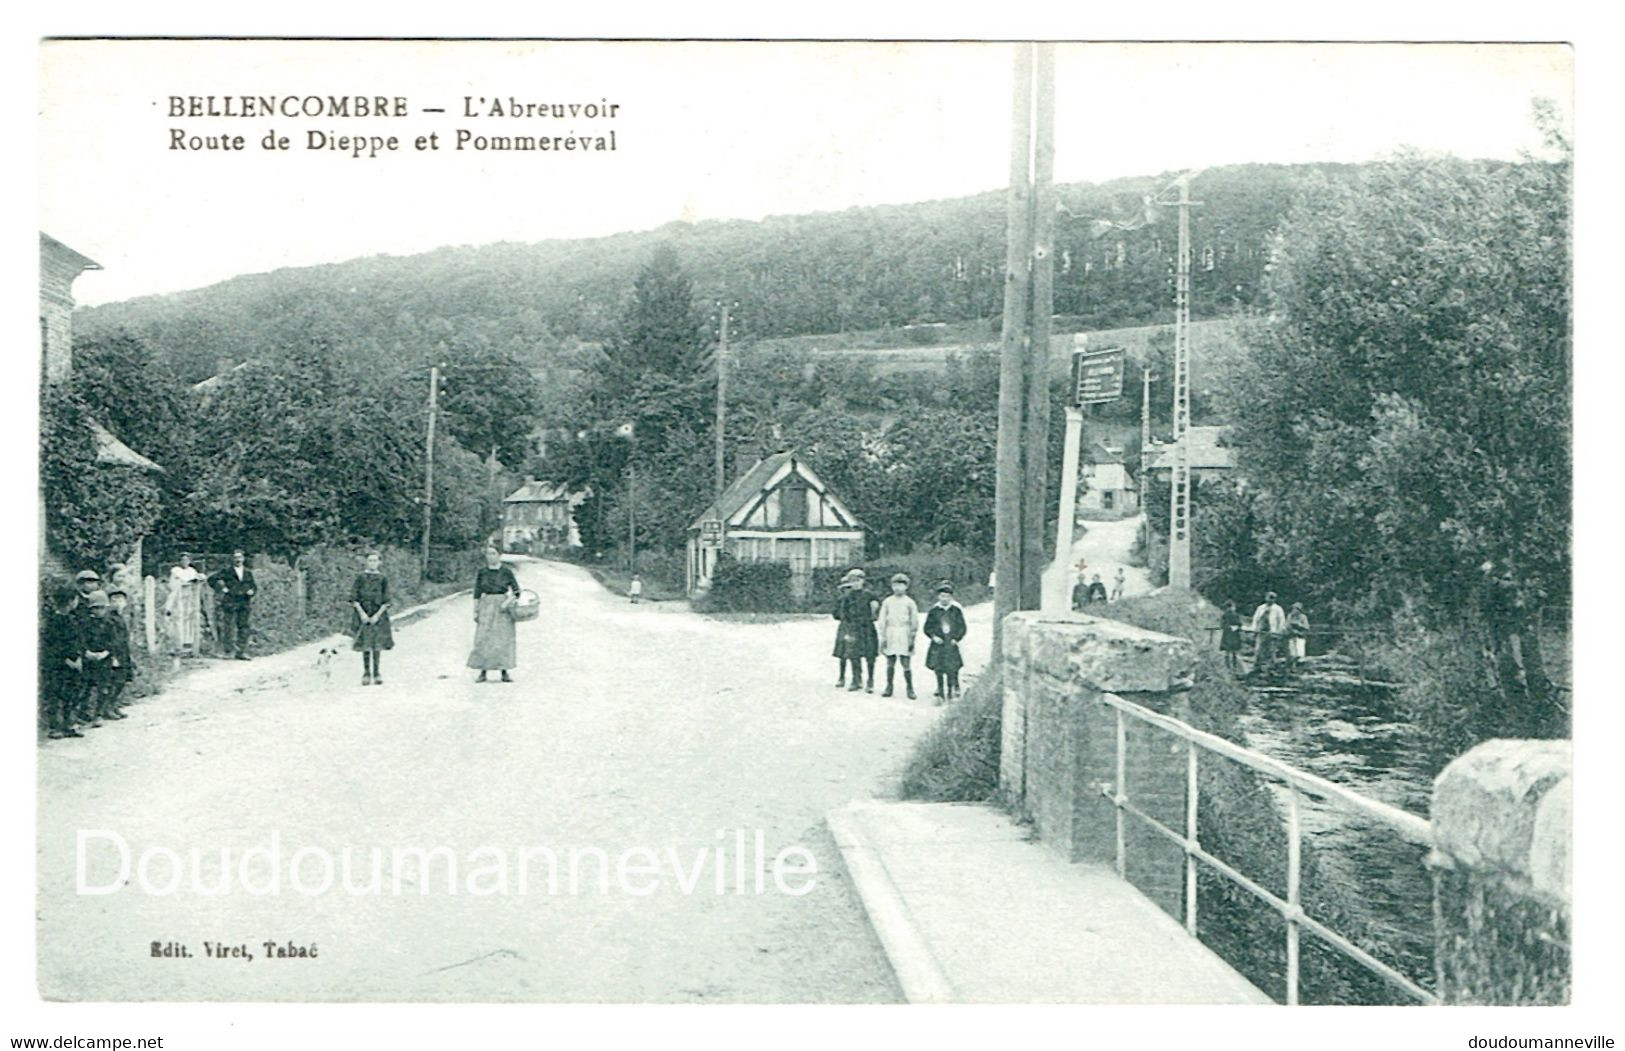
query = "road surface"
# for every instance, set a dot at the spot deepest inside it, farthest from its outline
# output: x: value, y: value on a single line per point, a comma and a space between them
x: 629, y: 728
x: 1104, y: 548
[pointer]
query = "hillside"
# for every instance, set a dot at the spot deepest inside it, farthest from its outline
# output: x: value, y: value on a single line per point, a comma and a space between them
x: 862, y: 269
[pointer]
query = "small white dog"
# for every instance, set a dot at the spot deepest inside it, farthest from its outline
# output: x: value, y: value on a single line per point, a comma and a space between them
x: 324, y: 662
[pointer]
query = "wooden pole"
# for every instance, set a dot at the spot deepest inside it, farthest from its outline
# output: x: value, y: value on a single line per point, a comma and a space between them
x: 722, y: 406
x: 1035, y: 438
x: 428, y: 468
x: 1007, y: 530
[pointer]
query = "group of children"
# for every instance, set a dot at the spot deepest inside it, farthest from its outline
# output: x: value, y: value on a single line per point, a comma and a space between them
x: 891, y: 627
x: 84, y: 656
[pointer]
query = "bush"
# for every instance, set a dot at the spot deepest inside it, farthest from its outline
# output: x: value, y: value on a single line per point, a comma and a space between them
x: 749, y: 587
x: 925, y: 565
x: 957, y: 761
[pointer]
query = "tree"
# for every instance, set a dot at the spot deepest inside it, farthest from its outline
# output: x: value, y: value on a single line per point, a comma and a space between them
x: 490, y: 402
x: 1407, y: 407
x: 94, y: 512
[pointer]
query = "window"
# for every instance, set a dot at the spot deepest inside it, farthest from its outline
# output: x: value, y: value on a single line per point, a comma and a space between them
x: 793, y: 504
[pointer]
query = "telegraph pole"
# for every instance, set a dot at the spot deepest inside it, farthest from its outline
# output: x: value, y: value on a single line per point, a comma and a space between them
x: 1008, y: 490
x: 1145, y: 430
x: 428, y: 465
x: 1025, y: 352
x: 1179, y: 508
x: 722, y: 405
x: 1035, y: 441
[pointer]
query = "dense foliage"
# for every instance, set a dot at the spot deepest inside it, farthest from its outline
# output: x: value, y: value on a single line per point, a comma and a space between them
x: 1403, y: 414
x: 857, y: 269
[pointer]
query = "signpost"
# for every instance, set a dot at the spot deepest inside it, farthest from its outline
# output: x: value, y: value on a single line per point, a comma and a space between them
x: 711, y: 532
x: 1097, y: 375
x: 1097, y: 378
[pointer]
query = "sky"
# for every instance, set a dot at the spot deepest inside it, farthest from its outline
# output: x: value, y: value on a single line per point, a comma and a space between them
x: 703, y: 131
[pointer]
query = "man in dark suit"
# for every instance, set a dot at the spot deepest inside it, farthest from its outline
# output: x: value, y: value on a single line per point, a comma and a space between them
x: 235, y: 587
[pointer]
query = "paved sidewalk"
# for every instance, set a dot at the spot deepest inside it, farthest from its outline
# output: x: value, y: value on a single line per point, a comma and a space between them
x: 971, y: 909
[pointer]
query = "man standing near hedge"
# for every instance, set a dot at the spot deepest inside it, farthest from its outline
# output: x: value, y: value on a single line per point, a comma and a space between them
x: 235, y: 588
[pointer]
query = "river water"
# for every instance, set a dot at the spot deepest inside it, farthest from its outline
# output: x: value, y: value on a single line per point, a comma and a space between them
x: 1355, y: 736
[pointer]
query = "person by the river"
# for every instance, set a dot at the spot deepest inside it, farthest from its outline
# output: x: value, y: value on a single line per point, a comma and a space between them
x: 945, y: 627
x: 898, y: 627
x: 1269, y: 628
x: 1230, y: 636
x: 369, y: 620
x: 495, y: 589
x: 1297, y: 629
x: 856, y: 643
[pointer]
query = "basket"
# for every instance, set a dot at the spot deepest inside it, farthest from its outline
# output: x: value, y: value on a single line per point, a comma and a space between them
x: 526, y: 607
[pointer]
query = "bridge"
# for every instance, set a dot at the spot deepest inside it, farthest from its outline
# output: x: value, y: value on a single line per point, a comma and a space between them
x: 1128, y: 844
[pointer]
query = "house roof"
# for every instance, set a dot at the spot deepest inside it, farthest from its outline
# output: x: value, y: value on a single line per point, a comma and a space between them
x: 1097, y: 453
x: 50, y: 244
x: 534, y: 492
x: 746, y: 486
x: 1205, y: 452
x: 112, y: 451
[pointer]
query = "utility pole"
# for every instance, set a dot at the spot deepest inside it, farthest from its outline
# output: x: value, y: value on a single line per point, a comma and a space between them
x: 1145, y: 432
x: 722, y: 405
x: 1025, y: 352
x: 428, y: 466
x: 632, y: 515
x: 1008, y: 489
x: 1035, y: 440
x: 1179, y: 508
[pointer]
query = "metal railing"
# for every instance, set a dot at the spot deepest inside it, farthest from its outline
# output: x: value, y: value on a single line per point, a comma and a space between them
x: 1406, y: 825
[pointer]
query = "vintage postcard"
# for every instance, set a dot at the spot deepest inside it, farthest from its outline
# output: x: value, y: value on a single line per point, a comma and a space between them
x: 569, y: 521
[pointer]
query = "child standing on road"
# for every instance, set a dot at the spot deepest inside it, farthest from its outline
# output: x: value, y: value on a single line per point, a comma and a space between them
x: 122, y: 671
x: 99, y: 645
x: 945, y: 627
x: 62, y: 654
x: 369, y: 620
x: 635, y: 591
x: 855, y: 640
x: 898, y: 626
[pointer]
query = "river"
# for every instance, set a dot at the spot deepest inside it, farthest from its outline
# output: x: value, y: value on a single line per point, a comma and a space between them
x: 1355, y: 736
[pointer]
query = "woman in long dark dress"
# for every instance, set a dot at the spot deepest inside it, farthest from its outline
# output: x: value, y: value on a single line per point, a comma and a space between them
x: 856, y: 642
x: 369, y: 620
x: 495, y: 588
x: 945, y: 627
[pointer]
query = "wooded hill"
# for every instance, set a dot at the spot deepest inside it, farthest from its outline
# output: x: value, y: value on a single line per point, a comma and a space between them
x: 878, y: 268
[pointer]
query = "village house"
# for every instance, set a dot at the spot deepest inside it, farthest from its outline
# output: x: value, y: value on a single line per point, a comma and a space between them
x: 60, y: 266
x: 539, y: 514
x: 778, y: 511
x: 1106, y: 486
x: 1209, y: 457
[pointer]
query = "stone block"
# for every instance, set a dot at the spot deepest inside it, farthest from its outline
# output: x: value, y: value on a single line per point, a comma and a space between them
x: 1099, y: 654
x: 1491, y: 813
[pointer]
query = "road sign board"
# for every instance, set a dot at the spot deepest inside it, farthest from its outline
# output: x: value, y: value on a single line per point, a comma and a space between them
x: 711, y: 532
x: 1097, y: 375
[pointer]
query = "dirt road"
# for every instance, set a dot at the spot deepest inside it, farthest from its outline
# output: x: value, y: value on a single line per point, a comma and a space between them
x: 1104, y: 548
x: 629, y: 729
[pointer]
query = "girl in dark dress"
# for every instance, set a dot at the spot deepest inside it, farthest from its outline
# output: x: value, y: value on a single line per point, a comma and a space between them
x: 1230, y: 636
x: 495, y: 588
x: 369, y: 620
x: 945, y: 627
x: 856, y: 642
